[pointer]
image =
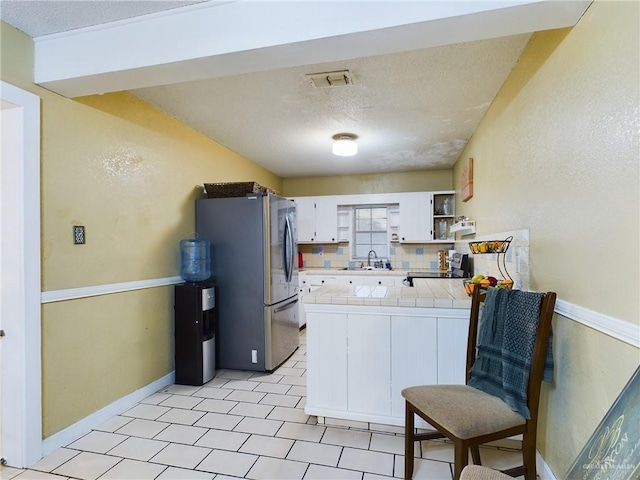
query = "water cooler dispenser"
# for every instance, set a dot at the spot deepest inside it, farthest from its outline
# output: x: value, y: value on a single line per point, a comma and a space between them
x: 195, y: 350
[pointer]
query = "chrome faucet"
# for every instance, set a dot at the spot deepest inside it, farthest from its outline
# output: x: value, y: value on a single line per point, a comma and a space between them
x: 369, y: 257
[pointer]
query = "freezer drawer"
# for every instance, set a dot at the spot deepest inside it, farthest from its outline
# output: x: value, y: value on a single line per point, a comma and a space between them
x: 282, y: 332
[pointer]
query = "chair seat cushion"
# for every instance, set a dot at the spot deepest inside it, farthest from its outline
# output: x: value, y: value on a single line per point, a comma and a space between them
x: 476, y: 472
x: 464, y: 411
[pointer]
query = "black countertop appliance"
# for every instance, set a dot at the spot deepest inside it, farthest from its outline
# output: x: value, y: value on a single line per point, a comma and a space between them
x: 459, y: 263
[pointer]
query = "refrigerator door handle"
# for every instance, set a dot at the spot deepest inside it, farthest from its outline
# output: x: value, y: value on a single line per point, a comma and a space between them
x: 285, y: 307
x: 288, y: 250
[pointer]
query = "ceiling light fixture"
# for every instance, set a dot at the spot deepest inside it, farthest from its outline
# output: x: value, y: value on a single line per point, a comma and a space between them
x: 344, y: 144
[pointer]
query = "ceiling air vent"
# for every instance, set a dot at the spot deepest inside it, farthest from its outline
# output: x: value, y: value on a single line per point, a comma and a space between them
x: 330, y: 79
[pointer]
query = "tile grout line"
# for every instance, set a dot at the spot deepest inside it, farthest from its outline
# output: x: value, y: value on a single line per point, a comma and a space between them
x: 281, y: 408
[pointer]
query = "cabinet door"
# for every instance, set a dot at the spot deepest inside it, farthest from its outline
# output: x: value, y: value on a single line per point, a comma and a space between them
x: 306, y: 216
x: 381, y: 280
x: 443, y: 216
x: 327, y: 360
x: 317, y: 281
x: 369, y: 364
x: 302, y: 318
x: 414, y: 356
x: 415, y: 218
x: 452, y: 349
x: 326, y: 219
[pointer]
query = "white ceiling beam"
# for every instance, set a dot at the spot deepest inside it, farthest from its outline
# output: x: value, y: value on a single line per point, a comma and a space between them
x: 215, y: 40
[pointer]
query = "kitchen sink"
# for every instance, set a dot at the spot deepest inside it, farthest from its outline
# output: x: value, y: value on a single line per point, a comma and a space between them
x: 367, y: 269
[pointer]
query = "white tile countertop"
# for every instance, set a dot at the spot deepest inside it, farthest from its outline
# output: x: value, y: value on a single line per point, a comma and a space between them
x: 428, y: 293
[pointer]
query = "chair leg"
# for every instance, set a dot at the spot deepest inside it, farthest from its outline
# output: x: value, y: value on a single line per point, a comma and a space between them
x: 475, y: 454
x: 461, y: 457
x: 408, y: 442
x: 529, y: 456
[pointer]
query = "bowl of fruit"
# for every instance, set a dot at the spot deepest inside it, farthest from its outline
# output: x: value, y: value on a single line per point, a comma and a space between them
x: 480, y: 281
x: 490, y: 246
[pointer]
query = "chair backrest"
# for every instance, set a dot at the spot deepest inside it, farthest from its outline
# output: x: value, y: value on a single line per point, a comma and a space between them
x: 536, y: 371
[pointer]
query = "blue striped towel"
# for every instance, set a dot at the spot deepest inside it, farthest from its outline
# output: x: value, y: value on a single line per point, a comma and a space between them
x: 506, y: 339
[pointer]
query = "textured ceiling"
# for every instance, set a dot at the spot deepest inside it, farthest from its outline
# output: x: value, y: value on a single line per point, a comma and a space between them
x: 45, y: 17
x: 412, y: 110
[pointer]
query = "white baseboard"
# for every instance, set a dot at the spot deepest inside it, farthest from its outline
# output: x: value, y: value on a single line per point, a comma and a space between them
x: 542, y: 469
x: 81, y: 427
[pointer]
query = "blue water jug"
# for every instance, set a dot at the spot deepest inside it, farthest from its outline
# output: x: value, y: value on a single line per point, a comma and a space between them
x: 195, y: 260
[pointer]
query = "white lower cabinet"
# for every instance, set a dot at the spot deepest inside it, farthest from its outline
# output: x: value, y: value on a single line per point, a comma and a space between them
x: 412, y: 334
x: 366, y: 279
x: 452, y: 350
x: 357, y: 364
x: 303, y: 289
x: 368, y: 365
x: 327, y: 360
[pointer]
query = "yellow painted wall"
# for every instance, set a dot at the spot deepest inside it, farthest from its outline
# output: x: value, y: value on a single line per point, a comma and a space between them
x: 422, y: 181
x: 128, y: 173
x: 558, y: 153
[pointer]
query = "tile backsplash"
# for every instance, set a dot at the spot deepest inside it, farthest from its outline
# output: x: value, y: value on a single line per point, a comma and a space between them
x: 401, y: 256
x: 425, y: 256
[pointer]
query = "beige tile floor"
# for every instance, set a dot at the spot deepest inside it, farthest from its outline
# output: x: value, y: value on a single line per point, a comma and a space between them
x: 242, y: 425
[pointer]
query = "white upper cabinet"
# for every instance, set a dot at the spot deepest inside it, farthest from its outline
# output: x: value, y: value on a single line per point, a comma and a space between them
x: 415, y: 217
x: 317, y: 219
x: 306, y: 216
x: 444, y: 204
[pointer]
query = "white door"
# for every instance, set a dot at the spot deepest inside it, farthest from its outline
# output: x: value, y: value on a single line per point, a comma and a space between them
x: 20, y: 360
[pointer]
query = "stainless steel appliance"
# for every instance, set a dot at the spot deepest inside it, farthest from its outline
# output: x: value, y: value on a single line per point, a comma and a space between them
x: 194, y: 327
x: 255, y: 270
x: 460, y: 268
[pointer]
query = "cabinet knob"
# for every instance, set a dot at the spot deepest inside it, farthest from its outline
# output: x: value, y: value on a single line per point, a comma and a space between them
x: 350, y: 281
x: 379, y: 282
x: 333, y: 239
x: 322, y: 281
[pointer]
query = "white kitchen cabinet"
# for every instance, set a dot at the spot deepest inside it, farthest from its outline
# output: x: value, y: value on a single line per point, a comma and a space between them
x: 452, y: 339
x: 420, y: 336
x: 317, y: 281
x: 443, y: 209
x: 414, y: 217
x: 360, y: 358
x: 317, y: 219
x: 327, y: 361
x: 303, y: 289
x: 415, y: 225
x: 306, y: 217
x: 326, y: 219
x: 368, y: 364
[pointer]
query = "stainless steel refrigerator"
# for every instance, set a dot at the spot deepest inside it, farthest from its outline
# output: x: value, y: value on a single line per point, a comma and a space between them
x: 255, y: 271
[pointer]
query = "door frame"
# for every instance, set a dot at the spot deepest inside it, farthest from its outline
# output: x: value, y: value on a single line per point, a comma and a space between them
x: 21, y: 304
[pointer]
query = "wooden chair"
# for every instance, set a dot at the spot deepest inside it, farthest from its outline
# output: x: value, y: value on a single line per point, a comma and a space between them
x: 470, y: 417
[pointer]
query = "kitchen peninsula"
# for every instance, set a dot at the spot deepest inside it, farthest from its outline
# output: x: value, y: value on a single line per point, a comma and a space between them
x: 365, y: 343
